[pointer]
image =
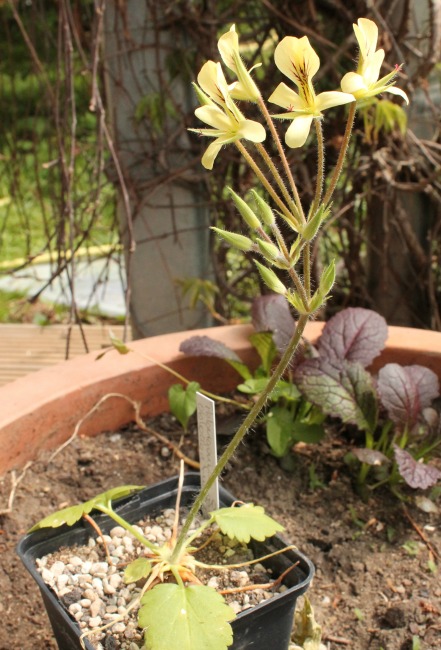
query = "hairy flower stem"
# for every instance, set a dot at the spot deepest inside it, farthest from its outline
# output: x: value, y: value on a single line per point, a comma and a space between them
x: 283, y: 158
x: 342, y: 154
x: 261, y: 176
x: 279, y: 180
x: 241, y: 432
x: 320, y: 168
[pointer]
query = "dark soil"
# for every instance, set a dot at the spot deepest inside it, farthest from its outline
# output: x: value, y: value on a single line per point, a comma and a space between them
x: 375, y: 587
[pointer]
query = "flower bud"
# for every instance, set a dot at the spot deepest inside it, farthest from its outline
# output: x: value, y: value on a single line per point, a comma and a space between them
x: 268, y: 250
x: 270, y: 278
x: 246, y: 212
x: 327, y: 280
x: 265, y: 211
x: 235, y: 240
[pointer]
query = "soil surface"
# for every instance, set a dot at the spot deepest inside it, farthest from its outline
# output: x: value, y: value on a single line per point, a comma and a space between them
x: 376, y: 585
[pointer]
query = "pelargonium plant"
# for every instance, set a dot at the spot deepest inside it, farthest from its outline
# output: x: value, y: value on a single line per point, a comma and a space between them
x: 284, y: 267
x: 185, y: 612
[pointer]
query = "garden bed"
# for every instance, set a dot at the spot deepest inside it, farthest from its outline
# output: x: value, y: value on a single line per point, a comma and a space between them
x: 375, y: 585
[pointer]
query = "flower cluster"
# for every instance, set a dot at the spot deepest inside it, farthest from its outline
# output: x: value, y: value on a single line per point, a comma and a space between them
x: 278, y: 197
x: 298, y: 61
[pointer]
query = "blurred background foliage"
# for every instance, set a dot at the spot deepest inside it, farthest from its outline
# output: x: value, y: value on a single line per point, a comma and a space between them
x: 58, y: 158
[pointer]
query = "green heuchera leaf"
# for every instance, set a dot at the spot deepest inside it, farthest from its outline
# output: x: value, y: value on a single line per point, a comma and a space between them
x: 72, y: 514
x: 246, y: 522
x: 136, y: 570
x: 185, y: 618
x: 183, y: 401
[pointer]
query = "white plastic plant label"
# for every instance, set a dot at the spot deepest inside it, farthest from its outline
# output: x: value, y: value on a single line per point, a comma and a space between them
x: 207, y: 449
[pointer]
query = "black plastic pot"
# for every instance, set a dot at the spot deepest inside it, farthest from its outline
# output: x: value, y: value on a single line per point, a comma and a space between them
x: 267, y: 625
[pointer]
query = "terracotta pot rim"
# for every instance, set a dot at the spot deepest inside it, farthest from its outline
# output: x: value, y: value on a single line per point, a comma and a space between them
x: 40, y: 410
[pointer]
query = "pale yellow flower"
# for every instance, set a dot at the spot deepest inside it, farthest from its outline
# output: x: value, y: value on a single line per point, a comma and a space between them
x: 220, y: 112
x: 365, y: 82
x: 244, y: 88
x: 299, y: 62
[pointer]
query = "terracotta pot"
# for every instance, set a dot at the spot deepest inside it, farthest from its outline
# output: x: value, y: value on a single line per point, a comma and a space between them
x: 40, y: 411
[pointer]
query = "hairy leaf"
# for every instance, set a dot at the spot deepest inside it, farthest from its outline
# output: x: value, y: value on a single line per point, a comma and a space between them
x: 72, y: 514
x: 416, y: 474
x: 254, y: 386
x: 246, y: 522
x: 185, y: 618
x: 271, y: 314
x: 344, y: 390
x: 354, y: 334
x: 405, y: 391
x: 370, y: 456
x: 204, y: 346
x: 183, y: 401
x: 136, y: 570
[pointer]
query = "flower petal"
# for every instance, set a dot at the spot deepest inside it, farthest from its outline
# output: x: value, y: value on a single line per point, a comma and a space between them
x: 366, y: 32
x: 214, y: 116
x: 251, y: 130
x: 227, y: 45
x: 371, y: 67
x: 286, y: 98
x: 298, y: 131
x: 210, y: 154
x: 296, y: 59
x: 207, y: 79
x: 332, y: 98
x: 397, y: 91
x: 353, y: 83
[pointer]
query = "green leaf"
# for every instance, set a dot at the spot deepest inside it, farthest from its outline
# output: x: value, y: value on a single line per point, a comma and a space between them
x: 279, y: 428
x: 183, y: 401
x: 136, y: 570
x: 254, y: 385
x: 117, y: 344
x: 246, y: 522
x: 309, y: 433
x: 72, y: 514
x: 264, y: 345
x: 185, y: 618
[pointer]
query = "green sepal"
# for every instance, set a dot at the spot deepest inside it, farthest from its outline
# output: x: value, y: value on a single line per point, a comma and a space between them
x: 327, y: 280
x: 312, y: 226
x: 295, y: 300
x: 247, y: 214
x: 266, y: 214
x: 246, y: 522
x: 72, y: 514
x: 270, y: 279
x: 263, y: 343
x: 234, y: 239
x: 204, y: 99
x: 175, y: 617
x: 137, y: 570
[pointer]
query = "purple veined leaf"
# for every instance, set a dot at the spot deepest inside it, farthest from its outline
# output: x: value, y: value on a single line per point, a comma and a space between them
x: 204, y: 346
x: 370, y: 456
x: 416, y: 474
x: 354, y: 334
x: 271, y: 313
x: 341, y: 389
x: 405, y: 391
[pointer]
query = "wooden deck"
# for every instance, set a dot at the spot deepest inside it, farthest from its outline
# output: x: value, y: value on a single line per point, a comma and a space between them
x: 27, y: 348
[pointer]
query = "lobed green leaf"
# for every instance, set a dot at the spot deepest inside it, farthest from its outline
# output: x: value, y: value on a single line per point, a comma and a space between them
x: 246, y: 522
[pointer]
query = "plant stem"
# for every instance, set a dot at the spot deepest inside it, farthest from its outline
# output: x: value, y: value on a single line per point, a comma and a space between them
x: 341, y: 155
x: 273, y: 169
x: 125, y: 524
x: 241, y: 432
x: 320, y: 168
x: 283, y: 158
x: 261, y: 176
